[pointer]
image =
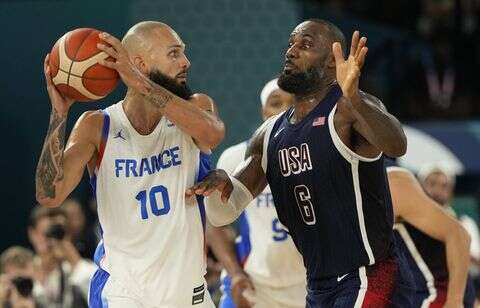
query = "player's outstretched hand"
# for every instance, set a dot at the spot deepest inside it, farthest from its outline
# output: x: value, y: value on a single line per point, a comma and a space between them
x: 215, y: 180
x: 130, y: 74
x: 59, y: 103
x: 348, y: 71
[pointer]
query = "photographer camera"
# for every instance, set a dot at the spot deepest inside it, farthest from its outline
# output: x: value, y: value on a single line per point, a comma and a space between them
x: 63, y: 277
x: 16, y: 278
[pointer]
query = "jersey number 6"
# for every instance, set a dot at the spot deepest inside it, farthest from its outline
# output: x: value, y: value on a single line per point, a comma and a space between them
x: 154, y: 191
x: 302, y: 195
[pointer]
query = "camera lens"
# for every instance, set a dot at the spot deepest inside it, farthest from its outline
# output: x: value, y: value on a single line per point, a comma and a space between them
x: 23, y: 285
x: 56, y: 231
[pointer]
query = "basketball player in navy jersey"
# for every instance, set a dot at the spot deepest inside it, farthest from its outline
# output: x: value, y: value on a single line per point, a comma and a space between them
x: 323, y: 161
x: 435, y: 244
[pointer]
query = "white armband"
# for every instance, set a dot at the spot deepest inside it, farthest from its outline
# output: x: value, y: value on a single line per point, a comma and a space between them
x: 221, y: 214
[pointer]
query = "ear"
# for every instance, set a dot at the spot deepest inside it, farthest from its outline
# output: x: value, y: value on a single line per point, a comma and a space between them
x: 140, y: 64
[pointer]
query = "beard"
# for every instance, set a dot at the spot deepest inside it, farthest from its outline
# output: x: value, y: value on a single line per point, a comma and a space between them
x: 300, y: 83
x: 179, y: 89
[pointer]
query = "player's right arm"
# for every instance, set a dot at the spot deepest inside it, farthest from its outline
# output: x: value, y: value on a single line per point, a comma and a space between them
x: 411, y: 204
x: 60, y: 169
x: 227, y: 196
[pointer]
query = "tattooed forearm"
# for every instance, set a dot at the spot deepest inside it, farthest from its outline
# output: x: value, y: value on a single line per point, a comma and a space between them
x: 159, y: 96
x: 50, y: 165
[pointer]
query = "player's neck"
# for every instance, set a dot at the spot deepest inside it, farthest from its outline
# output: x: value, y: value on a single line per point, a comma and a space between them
x: 142, y: 114
x: 303, y: 104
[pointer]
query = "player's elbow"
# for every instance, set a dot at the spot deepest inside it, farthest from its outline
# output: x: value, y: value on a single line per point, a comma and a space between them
x: 464, y: 237
x: 397, y: 148
x: 215, y: 135
x: 460, y: 236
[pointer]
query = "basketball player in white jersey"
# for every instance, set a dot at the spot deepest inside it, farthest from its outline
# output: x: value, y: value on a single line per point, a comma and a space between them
x: 141, y: 153
x: 264, y: 260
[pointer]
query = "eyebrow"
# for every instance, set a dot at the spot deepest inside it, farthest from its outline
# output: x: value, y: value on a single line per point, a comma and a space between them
x: 176, y: 46
x: 307, y: 36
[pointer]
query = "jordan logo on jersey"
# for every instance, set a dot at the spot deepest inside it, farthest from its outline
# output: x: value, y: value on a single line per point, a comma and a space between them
x: 294, y: 160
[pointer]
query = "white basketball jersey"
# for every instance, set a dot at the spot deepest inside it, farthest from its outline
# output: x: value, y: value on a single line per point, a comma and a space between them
x: 153, y: 237
x: 266, y: 250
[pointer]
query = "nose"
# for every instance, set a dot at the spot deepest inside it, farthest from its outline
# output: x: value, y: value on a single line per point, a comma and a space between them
x: 185, y: 62
x: 292, y: 52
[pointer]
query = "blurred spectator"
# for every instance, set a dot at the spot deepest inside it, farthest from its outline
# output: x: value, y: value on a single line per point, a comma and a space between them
x: 16, y: 278
x: 439, y: 182
x: 63, y: 277
x: 82, y: 235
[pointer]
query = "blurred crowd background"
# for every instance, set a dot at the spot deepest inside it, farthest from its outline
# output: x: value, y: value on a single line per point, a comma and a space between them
x: 423, y: 62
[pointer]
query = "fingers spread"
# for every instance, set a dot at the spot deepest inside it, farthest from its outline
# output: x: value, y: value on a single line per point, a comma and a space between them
x: 108, y: 49
x: 338, y: 53
x: 353, y: 46
x: 361, y: 44
x: 107, y: 63
x: 110, y: 39
x: 361, y: 57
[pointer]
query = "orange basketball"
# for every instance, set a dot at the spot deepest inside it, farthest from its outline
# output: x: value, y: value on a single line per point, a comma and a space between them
x: 75, y: 69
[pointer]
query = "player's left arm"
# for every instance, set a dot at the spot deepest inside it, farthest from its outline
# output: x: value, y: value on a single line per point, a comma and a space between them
x: 197, y: 117
x: 411, y: 204
x: 366, y: 113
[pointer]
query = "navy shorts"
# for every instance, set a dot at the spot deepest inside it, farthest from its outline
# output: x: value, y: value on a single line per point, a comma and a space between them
x: 437, y: 295
x: 387, y: 283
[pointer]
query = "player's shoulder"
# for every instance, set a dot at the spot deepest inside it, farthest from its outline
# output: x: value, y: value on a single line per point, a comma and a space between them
x: 91, y: 119
x: 89, y: 126
x: 399, y: 174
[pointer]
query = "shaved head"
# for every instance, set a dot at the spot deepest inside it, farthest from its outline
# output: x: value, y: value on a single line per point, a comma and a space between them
x: 330, y: 31
x: 139, y: 37
x: 158, y: 52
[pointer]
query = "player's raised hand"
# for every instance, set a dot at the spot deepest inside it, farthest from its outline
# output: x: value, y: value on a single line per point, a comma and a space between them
x: 348, y: 71
x: 59, y: 103
x: 130, y: 74
x: 216, y: 180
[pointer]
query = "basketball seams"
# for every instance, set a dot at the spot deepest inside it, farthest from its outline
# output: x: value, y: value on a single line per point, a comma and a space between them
x: 92, y: 31
x: 78, y: 69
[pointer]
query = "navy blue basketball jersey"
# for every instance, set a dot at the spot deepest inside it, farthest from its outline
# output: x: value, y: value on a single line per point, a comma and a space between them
x: 335, y: 204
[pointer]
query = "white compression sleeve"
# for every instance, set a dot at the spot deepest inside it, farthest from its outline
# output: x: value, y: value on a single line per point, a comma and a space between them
x: 221, y: 214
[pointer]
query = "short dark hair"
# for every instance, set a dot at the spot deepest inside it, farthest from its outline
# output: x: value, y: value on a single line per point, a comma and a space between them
x: 334, y: 33
x: 40, y: 212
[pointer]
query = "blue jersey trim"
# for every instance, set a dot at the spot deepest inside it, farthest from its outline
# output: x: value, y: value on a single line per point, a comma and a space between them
x: 97, y: 284
x: 243, y: 246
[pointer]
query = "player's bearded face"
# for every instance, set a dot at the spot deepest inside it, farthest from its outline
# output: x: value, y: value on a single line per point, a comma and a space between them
x: 180, y: 89
x: 300, y: 82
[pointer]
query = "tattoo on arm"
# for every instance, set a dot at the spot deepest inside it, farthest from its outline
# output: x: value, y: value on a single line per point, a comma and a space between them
x: 50, y: 165
x: 159, y: 96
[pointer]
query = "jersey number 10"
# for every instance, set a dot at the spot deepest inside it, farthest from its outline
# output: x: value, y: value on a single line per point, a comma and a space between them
x: 152, y: 197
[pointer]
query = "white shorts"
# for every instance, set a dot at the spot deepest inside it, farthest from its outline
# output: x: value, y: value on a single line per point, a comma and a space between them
x: 105, y: 292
